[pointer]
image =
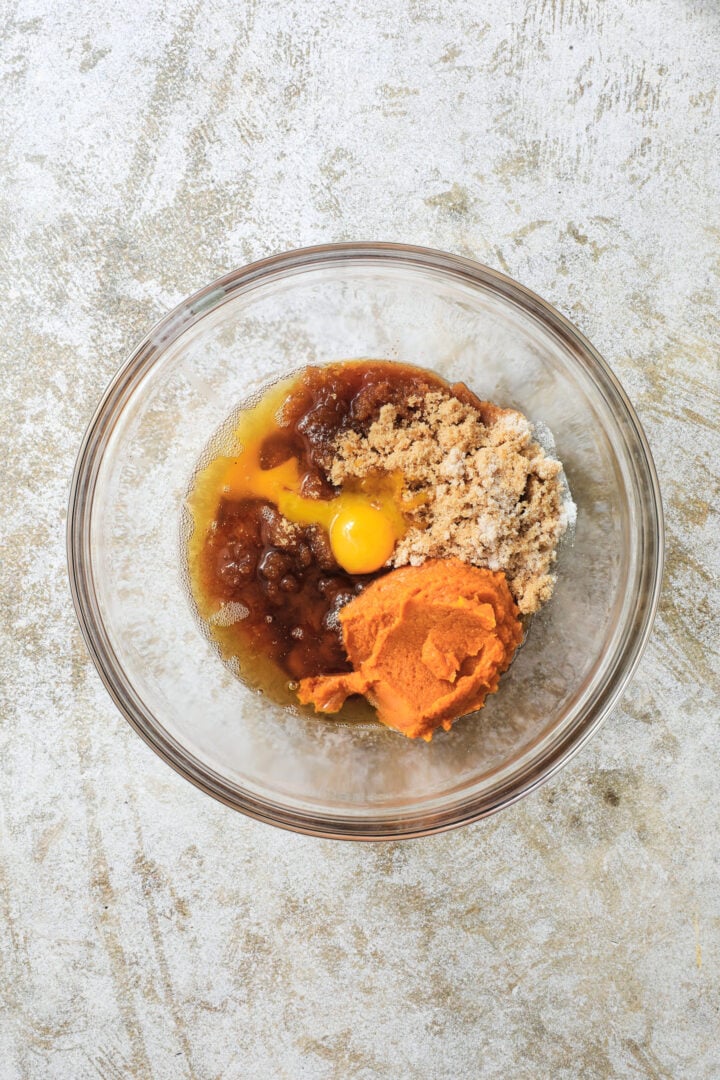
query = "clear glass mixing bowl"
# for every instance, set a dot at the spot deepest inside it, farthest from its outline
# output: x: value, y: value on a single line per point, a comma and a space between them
x: 384, y: 301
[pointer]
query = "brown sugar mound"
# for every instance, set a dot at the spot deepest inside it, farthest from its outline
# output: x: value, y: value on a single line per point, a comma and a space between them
x: 489, y: 494
x: 427, y: 644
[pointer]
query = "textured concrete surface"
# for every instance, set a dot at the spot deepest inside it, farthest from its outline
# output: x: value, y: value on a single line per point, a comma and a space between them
x: 149, y: 146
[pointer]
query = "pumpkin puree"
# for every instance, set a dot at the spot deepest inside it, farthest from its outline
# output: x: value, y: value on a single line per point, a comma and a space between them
x: 427, y: 643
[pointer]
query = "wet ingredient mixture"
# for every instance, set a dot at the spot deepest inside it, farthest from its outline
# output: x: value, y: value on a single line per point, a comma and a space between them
x: 276, y: 549
x: 334, y: 477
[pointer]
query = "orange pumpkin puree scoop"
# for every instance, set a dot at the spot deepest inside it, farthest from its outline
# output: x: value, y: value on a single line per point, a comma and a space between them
x: 427, y: 643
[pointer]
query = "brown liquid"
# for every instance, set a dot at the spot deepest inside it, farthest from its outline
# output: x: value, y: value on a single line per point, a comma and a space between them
x: 291, y: 586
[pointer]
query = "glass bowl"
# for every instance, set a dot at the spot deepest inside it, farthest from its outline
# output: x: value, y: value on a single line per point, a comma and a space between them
x: 382, y: 301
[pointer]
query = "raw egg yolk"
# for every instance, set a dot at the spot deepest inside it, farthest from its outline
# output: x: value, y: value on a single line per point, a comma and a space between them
x: 361, y: 537
x: 363, y: 522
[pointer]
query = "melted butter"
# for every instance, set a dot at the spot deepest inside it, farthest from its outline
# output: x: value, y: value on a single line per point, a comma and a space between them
x: 364, y: 521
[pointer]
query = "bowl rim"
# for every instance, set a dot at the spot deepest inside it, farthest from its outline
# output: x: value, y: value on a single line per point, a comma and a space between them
x: 79, y: 559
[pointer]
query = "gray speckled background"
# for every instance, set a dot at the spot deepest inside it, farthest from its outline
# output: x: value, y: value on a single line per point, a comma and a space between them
x: 149, y: 146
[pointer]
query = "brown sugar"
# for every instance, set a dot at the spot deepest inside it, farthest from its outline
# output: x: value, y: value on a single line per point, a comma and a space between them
x: 490, y: 494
